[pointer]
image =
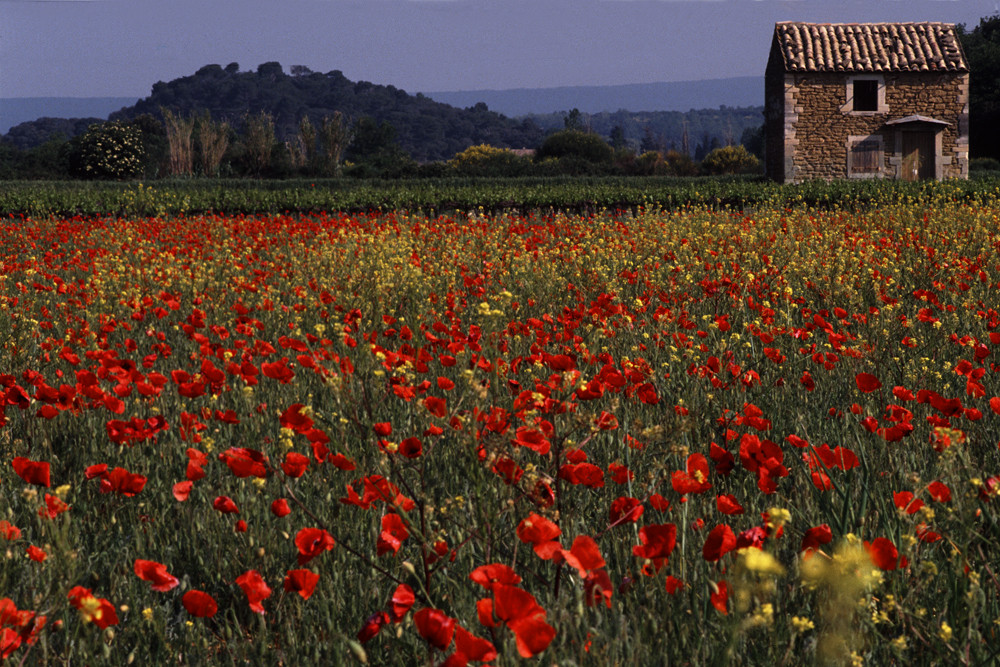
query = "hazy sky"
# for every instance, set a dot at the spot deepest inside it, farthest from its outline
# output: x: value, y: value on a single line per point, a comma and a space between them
x: 88, y: 48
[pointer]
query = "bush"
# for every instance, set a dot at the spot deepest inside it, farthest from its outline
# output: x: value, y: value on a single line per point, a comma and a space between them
x: 486, y: 160
x: 112, y: 150
x: 984, y: 164
x: 729, y: 160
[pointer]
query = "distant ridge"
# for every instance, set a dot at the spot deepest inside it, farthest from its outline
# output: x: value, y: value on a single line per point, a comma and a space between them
x: 744, y: 91
x: 17, y: 110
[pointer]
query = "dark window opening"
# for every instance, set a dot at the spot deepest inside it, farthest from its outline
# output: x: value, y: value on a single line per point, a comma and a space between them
x: 866, y: 95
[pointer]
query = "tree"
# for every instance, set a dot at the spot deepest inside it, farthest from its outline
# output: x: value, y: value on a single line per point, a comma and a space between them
x: 982, y: 50
x: 179, y: 130
x: 574, y: 120
x: 374, y: 149
x: 618, y: 138
x: 583, y: 145
x: 213, y: 140
x: 258, y: 136
x: 334, y: 137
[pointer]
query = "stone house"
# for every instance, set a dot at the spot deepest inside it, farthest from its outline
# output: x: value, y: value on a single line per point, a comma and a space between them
x: 866, y: 100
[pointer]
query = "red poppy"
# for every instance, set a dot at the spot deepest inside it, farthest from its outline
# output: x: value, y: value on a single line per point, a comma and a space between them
x: 123, y: 482
x: 36, y: 554
x: 182, y: 490
x: 584, y: 555
x: 245, y: 462
x: 673, y: 584
x: 586, y: 474
x: 720, y: 597
x: 255, y: 588
x: 620, y: 474
x: 200, y: 604
x: 94, y: 609
x: 54, y: 506
x: 372, y: 626
x: 302, y: 582
x: 436, y: 627
x: 625, y: 510
x: 393, y: 534
x: 295, y: 464
x: 867, y: 382
x: 597, y: 588
x: 383, y: 429
x: 32, y: 472
x: 401, y: 602
x: 532, y: 634
x: 905, y: 501
x: 606, y: 422
x: 411, y: 448
x: 695, y: 479
x: 156, y: 574
x: 532, y: 439
x: 883, y: 553
x: 278, y: 370
x: 814, y: 537
x: 727, y: 504
x: 295, y: 418
x: 535, y: 529
x: 721, y: 540
x: 658, y: 541
x: 436, y: 406
x: 311, y: 542
x: 9, y: 531
x: 225, y: 505
x: 472, y: 647
x: 489, y: 576
x: 939, y: 491
x: 280, y: 508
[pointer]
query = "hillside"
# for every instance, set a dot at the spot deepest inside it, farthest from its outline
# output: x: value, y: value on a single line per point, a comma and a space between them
x: 746, y: 91
x: 426, y: 129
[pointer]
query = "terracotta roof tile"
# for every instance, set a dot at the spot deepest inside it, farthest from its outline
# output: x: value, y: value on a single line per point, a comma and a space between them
x: 869, y: 47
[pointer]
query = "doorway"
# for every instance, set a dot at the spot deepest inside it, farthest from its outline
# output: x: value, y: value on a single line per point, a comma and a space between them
x: 918, y: 155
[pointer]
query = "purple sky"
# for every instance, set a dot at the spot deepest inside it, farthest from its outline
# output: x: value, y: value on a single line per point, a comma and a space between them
x: 88, y: 48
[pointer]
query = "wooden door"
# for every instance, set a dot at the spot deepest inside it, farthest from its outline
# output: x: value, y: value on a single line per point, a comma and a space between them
x: 918, y: 156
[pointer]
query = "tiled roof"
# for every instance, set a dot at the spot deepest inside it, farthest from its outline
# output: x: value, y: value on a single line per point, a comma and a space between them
x: 869, y: 47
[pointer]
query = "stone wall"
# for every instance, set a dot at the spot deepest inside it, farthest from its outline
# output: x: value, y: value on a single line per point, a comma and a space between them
x: 819, y: 120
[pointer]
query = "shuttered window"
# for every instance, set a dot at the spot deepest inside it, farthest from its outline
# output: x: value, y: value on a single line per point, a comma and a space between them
x: 865, y: 157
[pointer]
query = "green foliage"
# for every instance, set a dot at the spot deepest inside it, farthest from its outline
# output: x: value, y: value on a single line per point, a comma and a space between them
x: 729, y: 160
x: 112, y: 150
x: 437, y: 192
x: 662, y: 130
x: 425, y: 129
x: 486, y: 160
x: 982, y: 50
x: 574, y: 152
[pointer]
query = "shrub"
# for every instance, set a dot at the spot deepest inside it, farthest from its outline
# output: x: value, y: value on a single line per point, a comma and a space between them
x: 729, y: 160
x: 984, y: 164
x: 486, y: 160
x: 112, y: 150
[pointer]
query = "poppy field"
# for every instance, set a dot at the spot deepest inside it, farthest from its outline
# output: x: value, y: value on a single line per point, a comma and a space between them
x: 646, y: 437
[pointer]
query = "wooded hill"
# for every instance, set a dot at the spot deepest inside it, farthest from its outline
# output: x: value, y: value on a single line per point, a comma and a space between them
x: 425, y: 129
